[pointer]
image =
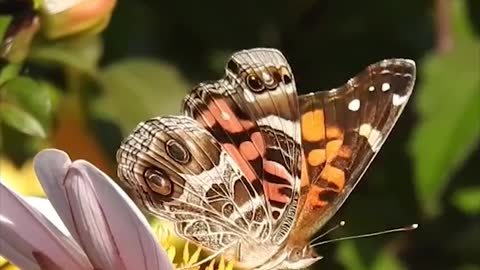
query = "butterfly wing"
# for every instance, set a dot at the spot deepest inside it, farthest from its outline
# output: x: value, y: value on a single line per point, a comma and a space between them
x: 253, y: 112
x: 179, y: 172
x: 342, y: 130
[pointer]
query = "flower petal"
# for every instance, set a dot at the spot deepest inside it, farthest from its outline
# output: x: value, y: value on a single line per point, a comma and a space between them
x: 44, y: 206
x: 133, y: 236
x: 30, y: 241
x: 91, y: 229
x: 122, y: 221
x: 98, y: 214
x: 51, y: 167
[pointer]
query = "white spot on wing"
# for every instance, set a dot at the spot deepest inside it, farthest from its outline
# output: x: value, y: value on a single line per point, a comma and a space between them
x: 365, y: 130
x: 374, y: 136
x: 385, y: 87
x: 225, y: 116
x: 267, y: 78
x: 354, y: 105
x: 399, y: 100
x: 371, y: 88
x: 385, y: 71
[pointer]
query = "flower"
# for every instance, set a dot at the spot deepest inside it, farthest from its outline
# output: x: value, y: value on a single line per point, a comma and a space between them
x: 63, y: 18
x: 103, y: 228
x: 55, y: 19
x: 180, y: 254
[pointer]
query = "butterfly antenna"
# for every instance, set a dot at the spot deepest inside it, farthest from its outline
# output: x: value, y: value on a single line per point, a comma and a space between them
x: 402, y: 229
x: 340, y: 224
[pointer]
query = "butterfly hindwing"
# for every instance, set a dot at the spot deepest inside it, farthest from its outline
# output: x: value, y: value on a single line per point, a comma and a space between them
x: 180, y: 172
x: 342, y: 130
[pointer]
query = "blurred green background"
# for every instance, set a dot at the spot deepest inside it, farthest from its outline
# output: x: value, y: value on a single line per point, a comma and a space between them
x: 84, y: 92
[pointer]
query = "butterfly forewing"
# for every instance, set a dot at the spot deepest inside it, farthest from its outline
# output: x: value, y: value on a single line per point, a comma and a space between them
x: 342, y: 130
x: 254, y: 113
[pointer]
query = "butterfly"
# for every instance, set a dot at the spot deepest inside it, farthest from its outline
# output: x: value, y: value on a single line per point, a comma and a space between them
x: 252, y: 170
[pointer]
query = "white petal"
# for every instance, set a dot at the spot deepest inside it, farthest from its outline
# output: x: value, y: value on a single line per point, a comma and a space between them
x: 30, y: 241
x: 126, y: 226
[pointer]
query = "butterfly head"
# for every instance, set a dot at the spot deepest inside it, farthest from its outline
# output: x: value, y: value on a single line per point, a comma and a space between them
x: 292, y: 257
x: 300, y: 257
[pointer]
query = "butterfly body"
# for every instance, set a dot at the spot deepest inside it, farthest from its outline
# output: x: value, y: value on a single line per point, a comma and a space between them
x: 252, y: 170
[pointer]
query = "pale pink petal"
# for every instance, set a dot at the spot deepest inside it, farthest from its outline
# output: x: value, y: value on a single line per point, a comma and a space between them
x: 90, y: 225
x: 51, y: 167
x: 30, y: 241
x: 44, y: 206
x: 99, y: 215
x: 120, y: 228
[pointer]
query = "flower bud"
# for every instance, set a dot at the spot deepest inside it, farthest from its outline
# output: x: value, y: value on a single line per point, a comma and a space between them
x: 62, y: 18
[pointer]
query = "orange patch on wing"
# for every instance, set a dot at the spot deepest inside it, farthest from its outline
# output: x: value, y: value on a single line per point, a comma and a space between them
x: 313, y: 198
x: 305, y: 178
x: 313, y: 126
x: 257, y: 140
x: 334, y: 133
x: 334, y: 175
x: 240, y: 161
x: 226, y: 117
x: 248, y: 150
x: 274, y: 194
x: 206, y: 119
x: 332, y: 149
x: 316, y: 157
x: 275, y: 168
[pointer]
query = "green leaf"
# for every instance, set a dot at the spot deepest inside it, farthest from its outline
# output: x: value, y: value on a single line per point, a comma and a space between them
x: 467, y: 200
x: 29, y: 96
x: 349, y: 257
x: 9, y: 72
x: 79, y: 52
x: 21, y: 120
x: 386, y: 261
x: 138, y: 89
x: 449, y: 109
x: 4, y: 22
